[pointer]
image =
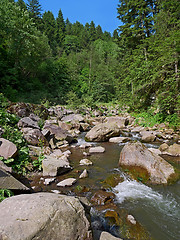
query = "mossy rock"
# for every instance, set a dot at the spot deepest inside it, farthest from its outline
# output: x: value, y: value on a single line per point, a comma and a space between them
x: 112, y: 180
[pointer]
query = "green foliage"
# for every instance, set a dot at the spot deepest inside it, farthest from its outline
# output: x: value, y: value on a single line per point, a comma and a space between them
x: 37, y: 163
x: 5, y: 193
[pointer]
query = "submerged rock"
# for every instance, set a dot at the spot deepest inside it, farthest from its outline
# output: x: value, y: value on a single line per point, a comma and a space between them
x: 136, y: 157
x: 97, y: 149
x: 43, y: 216
x: 85, y: 162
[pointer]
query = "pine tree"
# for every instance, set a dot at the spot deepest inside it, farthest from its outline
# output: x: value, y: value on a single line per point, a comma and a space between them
x: 61, y: 28
x: 22, y: 4
x: 34, y: 8
x: 99, y: 32
x: 92, y: 32
x: 49, y: 28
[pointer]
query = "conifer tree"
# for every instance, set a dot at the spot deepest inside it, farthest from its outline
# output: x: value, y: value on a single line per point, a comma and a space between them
x: 61, y: 28
x: 34, y: 8
x: 99, y: 32
x: 22, y: 4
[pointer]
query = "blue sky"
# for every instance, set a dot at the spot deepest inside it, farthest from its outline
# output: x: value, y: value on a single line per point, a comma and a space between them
x: 102, y: 12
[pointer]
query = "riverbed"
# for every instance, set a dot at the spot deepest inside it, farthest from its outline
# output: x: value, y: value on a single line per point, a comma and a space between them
x: 155, y: 207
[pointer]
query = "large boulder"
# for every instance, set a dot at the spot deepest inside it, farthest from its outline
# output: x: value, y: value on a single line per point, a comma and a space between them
x: 53, y: 166
x: 7, y: 149
x: 136, y: 156
x: 27, y: 122
x: 172, y: 150
x: 59, y: 133
x: 147, y: 136
x: 73, y: 118
x: 102, y: 132
x: 43, y: 216
x: 121, y: 122
x: 34, y: 136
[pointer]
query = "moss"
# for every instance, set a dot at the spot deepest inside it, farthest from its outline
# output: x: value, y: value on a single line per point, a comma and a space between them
x: 112, y: 180
x: 137, y: 173
x: 174, y: 177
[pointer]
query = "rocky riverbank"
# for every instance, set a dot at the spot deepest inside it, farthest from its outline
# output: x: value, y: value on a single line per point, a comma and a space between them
x: 53, y: 133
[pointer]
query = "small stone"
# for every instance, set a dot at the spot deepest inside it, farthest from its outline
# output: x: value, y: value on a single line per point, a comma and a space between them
x: 85, y: 145
x: 67, y: 182
x: 55, y: 191
x: 163, y: 147
x: 7, y: 149
x: 84, y: 174
x: 131, y: 219
x: 85, y: 162
x: 97, y: 150
x: 47, y: 181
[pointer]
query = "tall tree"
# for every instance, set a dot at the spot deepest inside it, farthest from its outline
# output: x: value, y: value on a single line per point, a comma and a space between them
x: 49, y: 28
x: 61, y: 28
x: 22, y: 4
x: 35, y: 10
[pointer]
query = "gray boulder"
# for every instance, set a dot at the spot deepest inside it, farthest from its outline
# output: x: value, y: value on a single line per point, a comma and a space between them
x: 59, y: 134
x: 53, y: 166
x: 43, y: 216
x: 34, y: 136
x: 27, y: 122
x: 147, y: 136
x: 7, y: 149
x: 67, y: 182
x: 102, y: 132
x: 121, y: 122
x: 136, y: 155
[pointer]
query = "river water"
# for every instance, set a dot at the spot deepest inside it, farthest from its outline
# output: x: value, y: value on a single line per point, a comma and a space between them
x: 157, y: 208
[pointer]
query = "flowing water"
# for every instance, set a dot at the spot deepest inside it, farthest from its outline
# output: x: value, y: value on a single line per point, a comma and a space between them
x: 155, y: 207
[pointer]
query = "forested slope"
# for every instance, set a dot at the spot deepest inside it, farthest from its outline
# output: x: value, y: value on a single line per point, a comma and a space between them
x: 43, y: 57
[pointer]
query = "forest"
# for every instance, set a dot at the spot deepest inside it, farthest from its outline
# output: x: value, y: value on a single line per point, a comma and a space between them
x: 48, y: 58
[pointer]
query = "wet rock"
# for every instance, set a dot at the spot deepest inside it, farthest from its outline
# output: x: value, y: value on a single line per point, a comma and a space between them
x: 119, y: 139
x: 34, y: 136
x: 108, y: 236
x: 147, y: 136
x: 55, y: 166
x: 97, y: 149
x: 67, y: 182
x: 138, y: 157
x: 84, y: 174
x: 102, y: 132
x: 85, y: 161
x: 43, y: 216
x: 131, y: 219
x: 85, y: 145
x: 55, y: 191
x: 102, y: 197
x: 7, y: 149
x: 27, y: 122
